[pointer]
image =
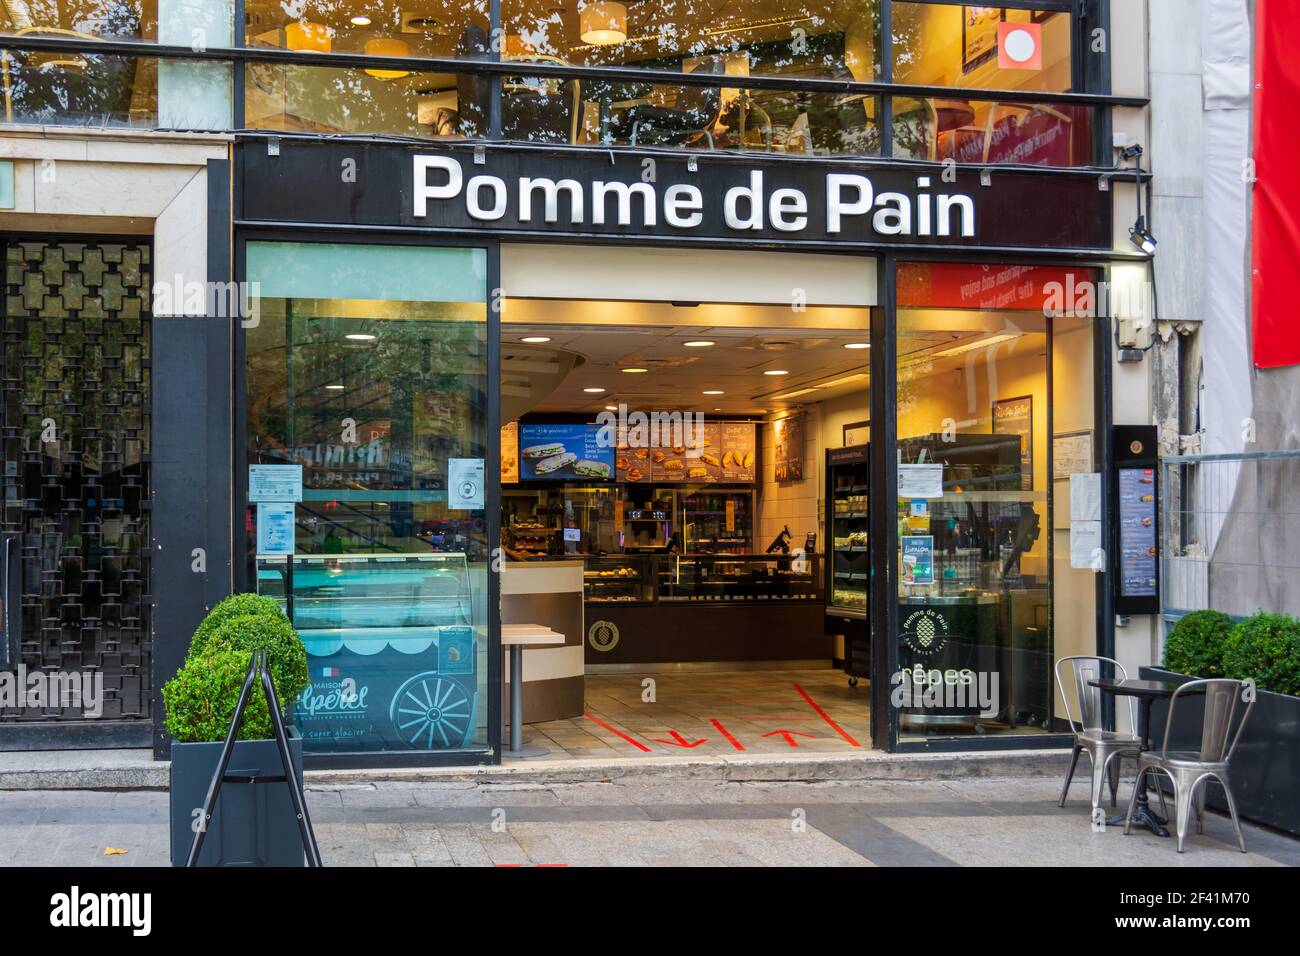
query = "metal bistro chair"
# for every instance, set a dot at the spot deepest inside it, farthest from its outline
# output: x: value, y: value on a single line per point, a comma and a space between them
x: 1189, y: 769
x: 1101, y: 745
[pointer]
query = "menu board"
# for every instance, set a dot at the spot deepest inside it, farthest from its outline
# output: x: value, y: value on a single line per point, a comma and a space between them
x: 563, y: 453
x: 1137, y: 532
x: 510, y: 453
x: 724, y: 452
x: 1015, y: 416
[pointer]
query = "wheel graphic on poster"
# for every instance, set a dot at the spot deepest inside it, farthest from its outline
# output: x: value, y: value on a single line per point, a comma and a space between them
x: 431, y: 712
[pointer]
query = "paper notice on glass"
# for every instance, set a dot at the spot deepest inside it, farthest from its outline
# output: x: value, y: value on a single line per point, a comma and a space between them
x: 920, y: 481
x: 275, y: 527
x: 465, y: 484
x: 1085, y: 498
x: 1085, y: 545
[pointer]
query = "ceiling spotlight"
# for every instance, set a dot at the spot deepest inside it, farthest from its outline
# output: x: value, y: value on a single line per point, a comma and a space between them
x: 360, y: 20
x: 699, y: 344
x: 858, y: 345
x: 611, y: 408
x: 335, y: 388
x: 634, y: 370
x: 593, y: 391
x: 535, y: 339
x: 1141, y: 237
x: 360, y: 337
x: 714, y: 391
x: 776, y: 371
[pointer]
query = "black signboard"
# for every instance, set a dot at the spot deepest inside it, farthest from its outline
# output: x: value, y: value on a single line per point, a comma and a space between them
x: 1135, y: 490
x: 725, y: 200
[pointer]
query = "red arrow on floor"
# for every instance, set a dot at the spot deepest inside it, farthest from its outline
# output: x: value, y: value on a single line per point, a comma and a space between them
x: 679, y: 741
x: 789, y: 736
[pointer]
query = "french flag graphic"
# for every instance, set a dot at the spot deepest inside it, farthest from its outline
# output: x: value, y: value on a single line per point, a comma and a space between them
x: 329, y: 672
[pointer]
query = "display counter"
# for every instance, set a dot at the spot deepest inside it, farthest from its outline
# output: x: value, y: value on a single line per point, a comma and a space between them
x: 660, y: 608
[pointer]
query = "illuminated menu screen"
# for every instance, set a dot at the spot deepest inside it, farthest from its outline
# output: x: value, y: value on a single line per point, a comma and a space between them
x: 721, y: 452
x: 1138, y: 549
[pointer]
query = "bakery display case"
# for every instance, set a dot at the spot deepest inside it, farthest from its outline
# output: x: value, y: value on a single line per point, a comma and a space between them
x: 391, y: 648
x: 739, y: 578
x: 618, y: 579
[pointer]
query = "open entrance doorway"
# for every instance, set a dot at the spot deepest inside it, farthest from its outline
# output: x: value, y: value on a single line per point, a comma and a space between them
x: 684, y: 497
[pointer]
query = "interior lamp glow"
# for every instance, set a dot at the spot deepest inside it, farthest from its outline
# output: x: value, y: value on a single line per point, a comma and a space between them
x: 603, y: 23
x: 387, y: 46
x: 303, y: 35
x: 860, y: 49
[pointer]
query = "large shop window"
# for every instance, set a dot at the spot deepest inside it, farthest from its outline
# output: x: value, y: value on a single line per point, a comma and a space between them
x: 993, y: 375
x: 367, y: 370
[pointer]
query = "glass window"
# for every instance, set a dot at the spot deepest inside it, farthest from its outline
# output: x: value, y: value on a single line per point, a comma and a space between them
x: 990, y: 371
x: 984, y: 131
x: 367, y: 368
x: 435, y: 28
x: 325, y: 99
x: 110, y: 90
x: 981, y: 47
x: 819, y: 38
x: 702, y: 117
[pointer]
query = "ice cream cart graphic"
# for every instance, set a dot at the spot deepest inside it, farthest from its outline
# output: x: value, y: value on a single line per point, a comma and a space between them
x: 391, y: 653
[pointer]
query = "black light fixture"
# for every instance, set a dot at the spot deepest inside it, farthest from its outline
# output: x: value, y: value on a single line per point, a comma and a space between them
x: 1138, y: 233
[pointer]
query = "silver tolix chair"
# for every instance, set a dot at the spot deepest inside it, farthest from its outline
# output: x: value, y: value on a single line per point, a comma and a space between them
x: 1191, y: 769
x: 1102, y: 746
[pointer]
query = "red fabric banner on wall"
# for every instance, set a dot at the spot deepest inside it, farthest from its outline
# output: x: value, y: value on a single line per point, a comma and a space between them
x: 1275, y: 224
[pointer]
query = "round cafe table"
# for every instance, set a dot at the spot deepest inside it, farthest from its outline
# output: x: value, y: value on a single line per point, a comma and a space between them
x: 1147, y: 692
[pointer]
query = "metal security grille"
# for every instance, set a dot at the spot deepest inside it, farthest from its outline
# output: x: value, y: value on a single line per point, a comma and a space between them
x: 75, y: 429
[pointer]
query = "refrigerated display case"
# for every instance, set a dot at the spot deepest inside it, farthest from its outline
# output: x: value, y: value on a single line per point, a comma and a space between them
x: 391, y: 648
x: 618, y: 579
x: 848, y: 564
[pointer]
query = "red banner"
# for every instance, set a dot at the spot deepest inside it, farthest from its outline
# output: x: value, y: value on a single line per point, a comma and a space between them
x: 1275, y: 239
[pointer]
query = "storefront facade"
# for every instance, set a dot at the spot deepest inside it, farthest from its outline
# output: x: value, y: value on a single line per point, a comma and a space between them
x: 931, y: 247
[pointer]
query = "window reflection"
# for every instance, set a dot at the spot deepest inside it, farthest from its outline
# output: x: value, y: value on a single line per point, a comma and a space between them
x: 830, y: 38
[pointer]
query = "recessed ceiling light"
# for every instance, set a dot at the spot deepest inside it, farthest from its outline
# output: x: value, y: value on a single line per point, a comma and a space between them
x: 593, y: 391
x: 699, y: 344
x: 776, y: 371
x: 611, y: 408
x: 535, y: 339
x: 634, y: 370
x: 360, y: 337
x: 858, y: 345
x: 361, y: 20
x: 714, y: 391
x: 335, y: 388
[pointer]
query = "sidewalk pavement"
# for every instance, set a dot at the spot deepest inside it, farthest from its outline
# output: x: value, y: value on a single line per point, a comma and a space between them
x: 645, y: 821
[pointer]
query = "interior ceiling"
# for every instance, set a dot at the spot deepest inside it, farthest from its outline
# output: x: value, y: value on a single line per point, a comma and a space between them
x: 815, y: 359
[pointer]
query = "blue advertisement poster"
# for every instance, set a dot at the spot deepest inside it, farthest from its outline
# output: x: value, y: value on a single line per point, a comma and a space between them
x: 563, y: 453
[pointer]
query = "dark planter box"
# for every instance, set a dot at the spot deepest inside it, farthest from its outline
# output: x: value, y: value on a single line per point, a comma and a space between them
x: 1265, y: 767
x: 253, y: 823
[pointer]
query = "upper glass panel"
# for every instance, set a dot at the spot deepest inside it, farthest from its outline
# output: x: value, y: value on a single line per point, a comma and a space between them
x: 809, y: 38
x: 981, y: 47
x: 440, y: 28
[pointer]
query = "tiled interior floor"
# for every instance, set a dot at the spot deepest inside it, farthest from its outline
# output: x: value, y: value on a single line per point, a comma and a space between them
x: 788, y: 712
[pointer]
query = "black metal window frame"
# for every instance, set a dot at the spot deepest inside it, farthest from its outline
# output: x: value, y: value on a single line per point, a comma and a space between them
x: 1090, y: 75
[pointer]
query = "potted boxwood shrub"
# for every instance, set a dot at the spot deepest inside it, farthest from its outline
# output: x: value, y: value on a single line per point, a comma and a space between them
x: 253, y: 823
x: 1265, y: 648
